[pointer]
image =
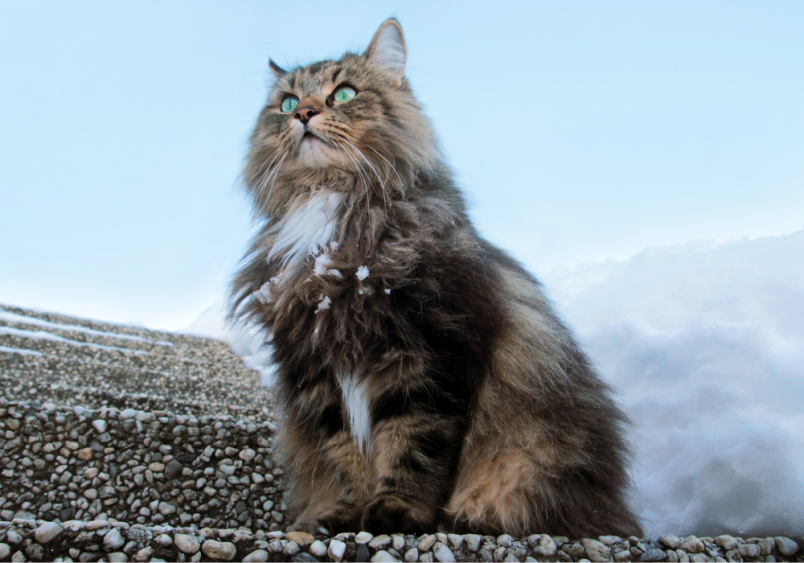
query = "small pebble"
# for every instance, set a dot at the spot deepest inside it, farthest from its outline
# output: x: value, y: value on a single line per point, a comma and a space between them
x: 653, y: 554
x: 426, y: 543
x: 749, y: 550
x: 336, y: 549
x: 144, y: 554
x: 670, y: 541
x: 300, y: 538
x: 363, y: 537
x: 219, y: 550
x: 473, y: 542
x: 164, y: 540
x: 258, y: 555
x: 505, y: 540
x: 542, y: 545
x: 113, y: 539
x: 412, y: 554
x: 318, y: 548
x: 691, y: 544
x: 187, y: 544
x: 47, y: 532
x: 380, y: 542
x: 442, y: 553
x: 787, y: 547
x: 383, y: 556
x: 726, y: 542
x: 596, y: 550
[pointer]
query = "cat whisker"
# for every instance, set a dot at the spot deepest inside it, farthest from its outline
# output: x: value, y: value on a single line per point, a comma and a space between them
x: 398, y: 177
x: 263, y: 168
x: 266, y: 173
x: 356, y: 150
x: 276, y: 174
x: 360, y: 173
x: 382, y: 184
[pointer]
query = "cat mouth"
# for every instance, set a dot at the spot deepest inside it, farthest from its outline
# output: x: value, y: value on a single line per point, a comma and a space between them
x: 312, y: 138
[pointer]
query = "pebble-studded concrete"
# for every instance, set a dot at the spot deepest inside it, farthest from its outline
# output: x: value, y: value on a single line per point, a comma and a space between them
x: 168, y: 457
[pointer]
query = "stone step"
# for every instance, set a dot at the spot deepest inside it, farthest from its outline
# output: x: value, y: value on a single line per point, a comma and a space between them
x: 78, y: 382
x: 77, y: 362
x: 61, y: 463
x: 104, y: 327
x: 119, y: 541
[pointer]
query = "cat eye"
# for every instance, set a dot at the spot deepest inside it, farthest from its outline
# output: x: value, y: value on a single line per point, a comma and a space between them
x: 289, y: 104
x: 344, y: 94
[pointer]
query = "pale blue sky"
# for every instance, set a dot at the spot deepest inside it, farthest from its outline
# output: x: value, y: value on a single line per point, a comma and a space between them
x: 579, y: 130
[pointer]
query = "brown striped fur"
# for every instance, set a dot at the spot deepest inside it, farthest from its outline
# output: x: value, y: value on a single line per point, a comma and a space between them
x: 426, y: 380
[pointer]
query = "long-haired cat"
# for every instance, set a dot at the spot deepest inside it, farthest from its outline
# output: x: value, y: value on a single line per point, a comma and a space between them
x: 425, y: 379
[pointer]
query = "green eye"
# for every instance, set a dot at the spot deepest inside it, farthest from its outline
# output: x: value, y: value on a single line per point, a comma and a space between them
x: 344, y: 94
x: 289, y: 104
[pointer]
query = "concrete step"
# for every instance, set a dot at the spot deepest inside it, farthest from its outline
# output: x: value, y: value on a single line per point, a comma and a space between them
x: 48, y: 358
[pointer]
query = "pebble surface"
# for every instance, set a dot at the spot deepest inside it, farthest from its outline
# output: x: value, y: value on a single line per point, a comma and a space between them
x: 136, y: 445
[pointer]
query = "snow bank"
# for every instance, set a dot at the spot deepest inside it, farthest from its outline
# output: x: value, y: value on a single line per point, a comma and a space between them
x: 705, y: 344
x: 245, y: 341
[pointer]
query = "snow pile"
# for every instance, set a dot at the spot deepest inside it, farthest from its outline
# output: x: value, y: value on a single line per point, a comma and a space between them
x: 246, y: 341
x: 705, y: 344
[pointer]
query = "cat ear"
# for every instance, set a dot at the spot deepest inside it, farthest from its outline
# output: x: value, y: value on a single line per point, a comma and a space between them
x: 387, y: 49
x: 276, y: 69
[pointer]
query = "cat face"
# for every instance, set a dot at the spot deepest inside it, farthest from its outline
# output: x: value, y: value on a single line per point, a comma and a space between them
x: 355, y: 116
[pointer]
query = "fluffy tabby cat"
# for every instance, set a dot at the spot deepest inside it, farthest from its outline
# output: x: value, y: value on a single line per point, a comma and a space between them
x: 424, y: 377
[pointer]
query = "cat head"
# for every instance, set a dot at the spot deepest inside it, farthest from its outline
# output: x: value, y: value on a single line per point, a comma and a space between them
x: 352, y: 123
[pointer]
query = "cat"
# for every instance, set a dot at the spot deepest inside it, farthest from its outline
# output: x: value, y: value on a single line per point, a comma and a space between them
x: 426, y: 383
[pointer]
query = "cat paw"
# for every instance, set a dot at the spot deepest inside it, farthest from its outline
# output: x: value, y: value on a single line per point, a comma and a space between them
x: 395, y: 513
x: 342, y: 517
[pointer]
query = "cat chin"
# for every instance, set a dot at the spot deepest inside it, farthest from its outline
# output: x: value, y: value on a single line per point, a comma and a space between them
x: 315, y: 154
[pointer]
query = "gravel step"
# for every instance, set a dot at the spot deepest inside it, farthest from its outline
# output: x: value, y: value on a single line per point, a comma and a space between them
x: 191, y: 375
x: 108, y: 540
x: 60, y: 463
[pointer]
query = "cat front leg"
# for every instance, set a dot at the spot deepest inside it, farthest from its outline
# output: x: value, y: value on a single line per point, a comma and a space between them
x: 417, y: 439
x: 332, y: 479
x: 355, y: 482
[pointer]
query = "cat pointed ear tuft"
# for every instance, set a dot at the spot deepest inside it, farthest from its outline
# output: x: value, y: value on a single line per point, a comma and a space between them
x: 387, y: 50
x: 276, y: 69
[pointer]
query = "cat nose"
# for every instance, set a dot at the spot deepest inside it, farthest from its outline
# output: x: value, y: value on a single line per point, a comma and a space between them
x: 305, y: 114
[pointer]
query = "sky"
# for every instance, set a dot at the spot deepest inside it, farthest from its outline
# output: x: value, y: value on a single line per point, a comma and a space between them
x: 579, y: 131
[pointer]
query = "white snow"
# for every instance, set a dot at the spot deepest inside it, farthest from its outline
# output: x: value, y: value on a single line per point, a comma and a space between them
x: 323, y: 304
x: 362, y: 273
x: 22, y: 319
x: 22, y: 351
x: 42, y: 335
x: 264, y: 293
x: 705, y: 344
x: 322, y: 263
x: 247, y: 341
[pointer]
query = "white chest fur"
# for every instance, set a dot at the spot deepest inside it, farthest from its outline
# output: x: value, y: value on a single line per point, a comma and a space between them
x: 355, y: 397
x: 306, y: 229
